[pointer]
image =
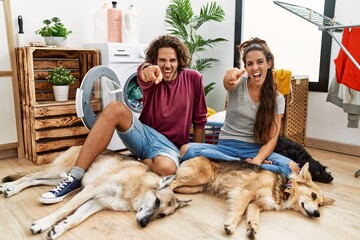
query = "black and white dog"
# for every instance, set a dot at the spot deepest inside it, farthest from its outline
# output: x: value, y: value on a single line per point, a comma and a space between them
x: 297, y: 153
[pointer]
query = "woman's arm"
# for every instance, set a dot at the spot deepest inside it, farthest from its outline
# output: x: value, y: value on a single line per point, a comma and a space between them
x: 269, y: 147
x: 232, y: 78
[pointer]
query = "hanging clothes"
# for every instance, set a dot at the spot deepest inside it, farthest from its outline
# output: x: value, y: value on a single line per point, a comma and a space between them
x: 283, y: 79
x: 346, y: 71
x: 346, y: 98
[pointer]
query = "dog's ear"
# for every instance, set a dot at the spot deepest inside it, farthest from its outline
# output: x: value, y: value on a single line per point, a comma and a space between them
x: 327, y: 201
x: 305, y: 173
x: 166, y: 181
x: 182, y: 203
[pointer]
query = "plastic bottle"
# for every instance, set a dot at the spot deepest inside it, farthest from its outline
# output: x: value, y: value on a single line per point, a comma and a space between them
x: 131, y: 25
x: 101, y: 24
x: 114, y: 19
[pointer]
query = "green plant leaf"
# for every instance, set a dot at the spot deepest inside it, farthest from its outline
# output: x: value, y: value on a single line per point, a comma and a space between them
x: 202, y: 64
x: 212, y: 12
x: 183, y: 23
x: 209, y: 87
x: 60, y: 76
x: 53, y: 28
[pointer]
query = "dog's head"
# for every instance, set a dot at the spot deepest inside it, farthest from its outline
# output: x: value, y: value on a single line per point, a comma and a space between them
x: 319, y: 172
x: 159, y: 202
x: 305, y: 195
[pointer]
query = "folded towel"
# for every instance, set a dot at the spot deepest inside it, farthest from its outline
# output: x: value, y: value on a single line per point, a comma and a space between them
x: 283, y: 79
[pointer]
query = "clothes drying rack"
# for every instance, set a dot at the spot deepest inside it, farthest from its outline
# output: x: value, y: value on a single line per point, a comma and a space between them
x: 324, y: 23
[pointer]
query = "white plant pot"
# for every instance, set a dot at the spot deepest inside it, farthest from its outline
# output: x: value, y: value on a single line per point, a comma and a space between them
x: 55, y: 41
x: 61, y: 93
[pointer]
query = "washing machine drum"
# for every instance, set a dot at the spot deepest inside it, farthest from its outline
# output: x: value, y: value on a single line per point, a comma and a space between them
x: 99, y: 87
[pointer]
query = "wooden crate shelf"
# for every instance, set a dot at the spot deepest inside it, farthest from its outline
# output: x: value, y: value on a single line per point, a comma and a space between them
x: 34, y: 64
x: 51, y: 127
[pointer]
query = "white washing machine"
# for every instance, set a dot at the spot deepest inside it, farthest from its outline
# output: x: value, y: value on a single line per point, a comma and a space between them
x: 114, y: 79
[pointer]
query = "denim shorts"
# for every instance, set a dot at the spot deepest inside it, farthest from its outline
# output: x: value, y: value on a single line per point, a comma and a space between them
x: 145, y: 142
x: 235, y: 150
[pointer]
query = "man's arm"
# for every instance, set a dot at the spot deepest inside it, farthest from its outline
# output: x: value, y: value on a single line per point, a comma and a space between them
x: 198, y: 135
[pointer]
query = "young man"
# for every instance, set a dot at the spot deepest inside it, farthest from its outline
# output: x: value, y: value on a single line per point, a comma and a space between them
x: 173, y: 101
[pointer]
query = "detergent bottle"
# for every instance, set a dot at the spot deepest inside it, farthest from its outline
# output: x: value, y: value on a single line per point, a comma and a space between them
x: 131, y: 25
x: 101, y: 24
x: 114, y: 20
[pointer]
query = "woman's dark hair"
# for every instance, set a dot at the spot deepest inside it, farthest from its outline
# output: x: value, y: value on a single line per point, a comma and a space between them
x: 265, y: 116
x: 168, y: 41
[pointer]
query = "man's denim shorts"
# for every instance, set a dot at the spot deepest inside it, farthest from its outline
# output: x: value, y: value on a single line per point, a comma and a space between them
x: 145, y: 142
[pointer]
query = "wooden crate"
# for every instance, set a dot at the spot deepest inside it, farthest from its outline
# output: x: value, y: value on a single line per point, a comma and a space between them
x: 51, y: 127
x: 294, y: 121
x: 34, y: 64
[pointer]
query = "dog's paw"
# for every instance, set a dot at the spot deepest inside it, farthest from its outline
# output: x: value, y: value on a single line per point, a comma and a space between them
x: 8, y: 189
x: 2, y: 188
x: 229, y: 228
x: 40, y: 226
x: 251, y: 233
x: 57, y: 230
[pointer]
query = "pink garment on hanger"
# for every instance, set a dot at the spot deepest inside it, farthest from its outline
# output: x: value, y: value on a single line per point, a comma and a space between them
x: 346, y: 71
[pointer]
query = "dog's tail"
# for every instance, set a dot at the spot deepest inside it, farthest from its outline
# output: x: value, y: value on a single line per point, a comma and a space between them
x: 16, y: 176
x: 12, y: 177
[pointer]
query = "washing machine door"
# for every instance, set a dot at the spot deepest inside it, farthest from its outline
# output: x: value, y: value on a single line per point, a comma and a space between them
x: 99, y: 87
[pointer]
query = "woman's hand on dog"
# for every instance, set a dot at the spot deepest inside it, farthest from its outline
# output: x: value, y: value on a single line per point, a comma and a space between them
x: 251, y: 160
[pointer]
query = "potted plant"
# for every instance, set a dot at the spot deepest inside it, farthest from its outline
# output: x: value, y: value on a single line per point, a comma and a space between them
x: 185, y: 24
x: 54, y: 32
x: 60, y: 78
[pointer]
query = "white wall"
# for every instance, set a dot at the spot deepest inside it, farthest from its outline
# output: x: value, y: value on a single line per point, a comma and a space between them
x: 78, y: 16
x: 325, y: 120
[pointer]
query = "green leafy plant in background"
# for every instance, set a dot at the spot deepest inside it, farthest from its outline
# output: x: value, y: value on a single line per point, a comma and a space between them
x: 185, y: 24
x: 60, y: 76
x: 53, y: 28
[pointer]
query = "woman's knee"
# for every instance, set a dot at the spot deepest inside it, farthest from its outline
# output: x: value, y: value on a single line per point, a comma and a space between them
x: 183, y: 149
x: 294, y: 167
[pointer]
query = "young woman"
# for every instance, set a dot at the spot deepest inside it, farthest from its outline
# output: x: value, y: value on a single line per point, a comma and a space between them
x: 253, y: 115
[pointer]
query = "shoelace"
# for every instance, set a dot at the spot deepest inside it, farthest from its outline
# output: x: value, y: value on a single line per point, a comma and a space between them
x: 66, y: 178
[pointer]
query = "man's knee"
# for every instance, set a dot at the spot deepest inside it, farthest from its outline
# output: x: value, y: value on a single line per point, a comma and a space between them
x: 117, y: 114
x: 164, y: 166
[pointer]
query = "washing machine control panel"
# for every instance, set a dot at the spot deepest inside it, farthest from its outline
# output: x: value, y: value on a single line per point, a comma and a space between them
x: 120, y: 52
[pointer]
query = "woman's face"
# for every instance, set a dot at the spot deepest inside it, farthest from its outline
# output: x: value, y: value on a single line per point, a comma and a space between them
x: 256, y: 66
x: 168, y: 62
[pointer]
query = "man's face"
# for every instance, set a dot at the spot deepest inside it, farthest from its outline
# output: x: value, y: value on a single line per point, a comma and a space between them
x: 168, y: 62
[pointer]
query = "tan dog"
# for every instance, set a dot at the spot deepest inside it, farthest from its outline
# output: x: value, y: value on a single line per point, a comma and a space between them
x: 248, y: 188
x: 113, y: 181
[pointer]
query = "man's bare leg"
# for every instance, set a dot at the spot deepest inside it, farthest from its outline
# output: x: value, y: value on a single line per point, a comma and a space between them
x: 115, y: 116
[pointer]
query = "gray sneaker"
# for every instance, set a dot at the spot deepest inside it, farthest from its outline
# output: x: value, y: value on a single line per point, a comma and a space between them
x: 68, y: 185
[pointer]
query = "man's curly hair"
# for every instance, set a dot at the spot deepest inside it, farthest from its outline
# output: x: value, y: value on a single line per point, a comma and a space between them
x: 168, y: 41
